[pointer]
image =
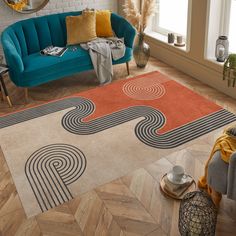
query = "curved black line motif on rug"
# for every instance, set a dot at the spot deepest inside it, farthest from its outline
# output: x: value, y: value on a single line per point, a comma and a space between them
x: 147, y: 129
x: 50, y: 170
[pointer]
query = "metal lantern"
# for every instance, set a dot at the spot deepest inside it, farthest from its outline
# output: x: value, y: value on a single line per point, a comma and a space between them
x: 197, y: 215
x: 222, y: 48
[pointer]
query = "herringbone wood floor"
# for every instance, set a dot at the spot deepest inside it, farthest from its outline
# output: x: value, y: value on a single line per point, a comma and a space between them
x: 131, y: 205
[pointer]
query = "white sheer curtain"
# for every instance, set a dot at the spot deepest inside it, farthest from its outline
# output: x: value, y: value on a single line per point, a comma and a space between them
x: 232, y: 28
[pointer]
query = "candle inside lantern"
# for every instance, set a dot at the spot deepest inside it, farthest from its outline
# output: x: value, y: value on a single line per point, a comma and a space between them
x: 221, y: 52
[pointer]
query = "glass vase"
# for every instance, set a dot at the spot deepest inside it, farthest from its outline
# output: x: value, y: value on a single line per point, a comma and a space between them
x: 141, y: 51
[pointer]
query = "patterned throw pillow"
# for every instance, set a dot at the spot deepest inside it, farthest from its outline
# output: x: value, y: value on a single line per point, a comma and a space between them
x: 81, y: 29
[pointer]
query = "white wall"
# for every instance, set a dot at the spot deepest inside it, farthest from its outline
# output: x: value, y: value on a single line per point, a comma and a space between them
x: 8, y: 16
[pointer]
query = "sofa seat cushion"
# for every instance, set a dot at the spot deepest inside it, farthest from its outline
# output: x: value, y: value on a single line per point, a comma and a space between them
x: 47, y: 68
x: 36, y: 62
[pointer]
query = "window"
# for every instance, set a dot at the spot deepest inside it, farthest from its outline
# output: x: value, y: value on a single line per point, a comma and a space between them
x: 221, y: 21
x: 232, y: 27
x: 172, y: 16
x: 228, y: 19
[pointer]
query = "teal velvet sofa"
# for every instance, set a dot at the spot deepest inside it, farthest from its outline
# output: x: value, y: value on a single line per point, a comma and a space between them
x: 23, y: 40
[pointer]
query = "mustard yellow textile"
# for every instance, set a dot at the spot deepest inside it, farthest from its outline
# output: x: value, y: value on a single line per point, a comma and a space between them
x: 103, y: 23
x: 227, y: 145
x: 19, y: 5
x: 81, y: 29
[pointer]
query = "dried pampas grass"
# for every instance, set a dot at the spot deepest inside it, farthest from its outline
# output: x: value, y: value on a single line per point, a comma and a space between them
x: 139, y: 19
x: 148, y: 10
x: 132, y: 13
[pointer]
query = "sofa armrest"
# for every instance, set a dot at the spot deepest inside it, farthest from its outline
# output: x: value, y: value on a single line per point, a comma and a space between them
x: 233, y: 159
x: 231, y: 190
x: 123, y: 29
x: 13, y: 58
x: 217, y: 176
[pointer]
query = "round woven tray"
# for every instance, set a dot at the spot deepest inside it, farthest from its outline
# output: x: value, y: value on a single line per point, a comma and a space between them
x: 191, y: 188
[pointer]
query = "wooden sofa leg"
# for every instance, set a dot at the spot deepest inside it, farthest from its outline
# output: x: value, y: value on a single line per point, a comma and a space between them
x: 5, y: 91
x: 9, y: 101
x: 127, y: 67
x: 26, y: 95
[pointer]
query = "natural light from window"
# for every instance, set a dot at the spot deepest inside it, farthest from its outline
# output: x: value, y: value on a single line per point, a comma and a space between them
x: 173, y: 16
x: 232, y: 28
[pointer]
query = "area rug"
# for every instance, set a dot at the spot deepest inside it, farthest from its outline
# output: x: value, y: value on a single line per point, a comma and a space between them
x: 64, y: 148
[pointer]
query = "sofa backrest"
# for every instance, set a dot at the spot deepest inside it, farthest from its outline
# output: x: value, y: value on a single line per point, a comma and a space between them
x: 34, y: 34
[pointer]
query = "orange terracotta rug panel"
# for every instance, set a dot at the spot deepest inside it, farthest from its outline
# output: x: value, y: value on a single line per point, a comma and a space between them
x: 66, y: 147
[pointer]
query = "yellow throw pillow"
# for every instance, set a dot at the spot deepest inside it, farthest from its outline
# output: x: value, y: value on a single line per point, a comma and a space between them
x: 81, y: 29
x: 103, y: 23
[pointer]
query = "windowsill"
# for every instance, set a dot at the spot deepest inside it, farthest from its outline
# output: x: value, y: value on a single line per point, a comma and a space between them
x: 154, y: 37
x: 213, y: 60
x: 164, y: 39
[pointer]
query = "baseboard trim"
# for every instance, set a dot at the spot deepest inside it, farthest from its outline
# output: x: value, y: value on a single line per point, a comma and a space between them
x: 195, y: 69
